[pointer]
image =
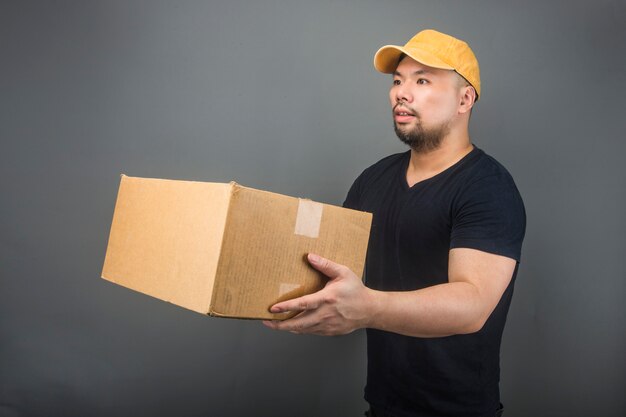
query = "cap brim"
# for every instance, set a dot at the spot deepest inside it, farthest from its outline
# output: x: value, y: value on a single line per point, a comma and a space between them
x: 386, y: 58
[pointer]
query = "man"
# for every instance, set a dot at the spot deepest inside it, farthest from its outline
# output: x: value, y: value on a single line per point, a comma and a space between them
x: 445, y: 245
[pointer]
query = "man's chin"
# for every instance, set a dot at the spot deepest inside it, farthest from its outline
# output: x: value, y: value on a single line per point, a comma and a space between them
x: 420, y: 143
x: 404, y: 133
x: 404, y: 130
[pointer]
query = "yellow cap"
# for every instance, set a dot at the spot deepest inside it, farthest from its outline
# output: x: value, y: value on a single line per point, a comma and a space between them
x: 434, y: 49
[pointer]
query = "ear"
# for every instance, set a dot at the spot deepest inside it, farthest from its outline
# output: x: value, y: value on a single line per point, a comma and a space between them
x: 467, y: 100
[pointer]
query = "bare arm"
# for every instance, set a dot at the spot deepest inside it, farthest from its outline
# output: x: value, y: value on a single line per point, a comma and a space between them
x: 477, y: 281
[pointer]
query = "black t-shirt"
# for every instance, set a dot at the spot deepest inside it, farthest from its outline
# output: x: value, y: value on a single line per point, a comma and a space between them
x: 473, y: 204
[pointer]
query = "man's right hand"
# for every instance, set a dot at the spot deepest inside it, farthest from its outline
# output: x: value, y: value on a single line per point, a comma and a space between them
x: 341, y: 307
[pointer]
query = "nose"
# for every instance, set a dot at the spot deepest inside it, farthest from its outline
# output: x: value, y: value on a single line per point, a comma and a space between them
x: 403, y: 94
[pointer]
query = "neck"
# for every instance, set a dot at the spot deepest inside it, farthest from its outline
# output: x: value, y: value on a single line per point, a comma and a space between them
x: 424, y: 165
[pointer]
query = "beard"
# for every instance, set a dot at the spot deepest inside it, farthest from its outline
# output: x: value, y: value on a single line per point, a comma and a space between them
x: 420, y: 139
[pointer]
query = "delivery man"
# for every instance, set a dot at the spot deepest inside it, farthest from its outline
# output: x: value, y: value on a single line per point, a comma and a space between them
x: 447, y: 231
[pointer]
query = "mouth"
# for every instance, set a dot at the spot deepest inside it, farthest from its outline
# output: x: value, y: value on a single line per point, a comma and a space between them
x: 402, y: 115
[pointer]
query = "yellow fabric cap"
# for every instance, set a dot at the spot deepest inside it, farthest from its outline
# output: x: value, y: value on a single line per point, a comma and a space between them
x: 434, y: 49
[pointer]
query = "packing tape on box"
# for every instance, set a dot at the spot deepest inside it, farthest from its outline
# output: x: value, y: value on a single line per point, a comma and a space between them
x: 309, y: 218
x: 287, y: 288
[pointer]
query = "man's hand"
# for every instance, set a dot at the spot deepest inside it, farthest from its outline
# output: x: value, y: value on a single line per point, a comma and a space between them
x: 476, y: 283
x: 340, y: 308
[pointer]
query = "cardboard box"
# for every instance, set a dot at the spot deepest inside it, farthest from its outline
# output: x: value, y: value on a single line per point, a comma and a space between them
x: 224, y: 249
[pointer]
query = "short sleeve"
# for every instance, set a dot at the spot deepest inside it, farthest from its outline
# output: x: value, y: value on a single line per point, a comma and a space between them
x: 490, y: 216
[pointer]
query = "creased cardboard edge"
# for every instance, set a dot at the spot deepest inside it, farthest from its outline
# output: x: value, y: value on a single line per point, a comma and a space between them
x: 243, y: 187
x: 117, y: 198
x: 274, y: 317
x: 368, y: 229
x: 234, y: 187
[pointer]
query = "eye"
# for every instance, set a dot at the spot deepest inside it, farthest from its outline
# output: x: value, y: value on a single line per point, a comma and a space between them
x: 396, y: 82
x: 422, y: 81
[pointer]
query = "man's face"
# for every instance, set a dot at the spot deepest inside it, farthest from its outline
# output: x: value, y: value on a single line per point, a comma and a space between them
x: 425, y: 102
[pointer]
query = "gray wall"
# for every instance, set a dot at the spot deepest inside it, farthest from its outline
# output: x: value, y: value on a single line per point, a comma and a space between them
x: 281, y: 95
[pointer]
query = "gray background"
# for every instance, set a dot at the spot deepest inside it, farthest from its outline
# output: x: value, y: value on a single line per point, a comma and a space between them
x: 281, y: 95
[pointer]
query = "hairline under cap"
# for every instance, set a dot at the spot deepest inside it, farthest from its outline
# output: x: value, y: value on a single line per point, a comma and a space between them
x: 430, y: 52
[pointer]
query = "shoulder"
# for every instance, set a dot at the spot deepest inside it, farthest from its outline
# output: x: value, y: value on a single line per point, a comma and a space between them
x: 483, y: 177
x: 488, y: 213
x: 486, y: 169
x: 486, y: 177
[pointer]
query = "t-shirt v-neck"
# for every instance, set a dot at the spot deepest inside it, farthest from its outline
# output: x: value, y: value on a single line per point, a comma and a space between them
x: 404, y: 166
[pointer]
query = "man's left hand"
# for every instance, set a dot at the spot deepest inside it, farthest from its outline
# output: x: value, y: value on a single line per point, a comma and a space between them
x: 339, y: 308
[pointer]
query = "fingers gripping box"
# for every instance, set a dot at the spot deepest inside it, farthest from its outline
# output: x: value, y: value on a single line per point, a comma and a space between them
x: 223, y: 249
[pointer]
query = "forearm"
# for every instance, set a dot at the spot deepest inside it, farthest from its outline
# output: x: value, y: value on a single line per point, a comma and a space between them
x: 477, y: 282
x: 441, y: 310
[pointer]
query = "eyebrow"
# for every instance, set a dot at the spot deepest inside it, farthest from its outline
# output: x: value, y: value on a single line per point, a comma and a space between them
x: 418, y: 72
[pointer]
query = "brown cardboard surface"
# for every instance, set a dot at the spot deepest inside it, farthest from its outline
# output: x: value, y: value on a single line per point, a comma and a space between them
x: 224, y: 249
x: 165, y: 239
